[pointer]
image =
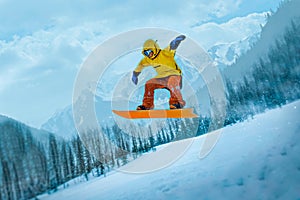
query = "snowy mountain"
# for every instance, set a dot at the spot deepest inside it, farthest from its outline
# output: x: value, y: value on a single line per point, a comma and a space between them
x: 256, y: 159
x: 273, y: 31
x: 226, y: 54
x: 61, y: 123
x: 39, y: 135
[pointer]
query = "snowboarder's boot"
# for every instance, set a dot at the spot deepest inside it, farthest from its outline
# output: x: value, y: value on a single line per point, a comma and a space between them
x: 142, y: 107
x: 176, y: 106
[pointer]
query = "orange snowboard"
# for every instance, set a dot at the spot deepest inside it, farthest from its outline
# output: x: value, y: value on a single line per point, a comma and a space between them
x: 142, y: 114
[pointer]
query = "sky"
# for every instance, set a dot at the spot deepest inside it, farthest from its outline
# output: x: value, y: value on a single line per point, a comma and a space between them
x: 44, y: 43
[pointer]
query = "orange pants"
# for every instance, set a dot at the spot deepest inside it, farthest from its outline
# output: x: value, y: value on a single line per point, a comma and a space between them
x: 171, y: 83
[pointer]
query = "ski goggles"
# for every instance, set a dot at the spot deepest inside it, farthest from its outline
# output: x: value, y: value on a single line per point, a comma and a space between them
x: 147, y: 52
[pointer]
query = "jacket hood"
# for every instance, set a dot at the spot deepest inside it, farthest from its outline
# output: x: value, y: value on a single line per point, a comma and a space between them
x: 151, y: 44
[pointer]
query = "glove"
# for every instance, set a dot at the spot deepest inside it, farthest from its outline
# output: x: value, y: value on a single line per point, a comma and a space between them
x: 135, y: 77
x: 175, y: 43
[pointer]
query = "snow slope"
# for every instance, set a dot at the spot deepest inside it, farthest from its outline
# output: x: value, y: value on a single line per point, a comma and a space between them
x: 257, y: 159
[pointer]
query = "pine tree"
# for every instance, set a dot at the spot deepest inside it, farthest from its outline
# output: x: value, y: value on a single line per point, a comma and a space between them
x: 134, y: 147
x: 6, y: 180
x: 88, y: 163
x: 65, y: 163
x: 16, y: 183
x: 55, y: 176
x: 72, y: 163
x: 80, y: 156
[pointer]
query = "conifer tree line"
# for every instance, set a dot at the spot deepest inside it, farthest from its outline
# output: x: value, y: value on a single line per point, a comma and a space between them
x: 273, y: 82
x: 30, y: 166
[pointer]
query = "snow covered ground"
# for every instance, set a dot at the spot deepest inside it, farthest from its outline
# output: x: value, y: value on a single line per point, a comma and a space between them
x: 256, y: 159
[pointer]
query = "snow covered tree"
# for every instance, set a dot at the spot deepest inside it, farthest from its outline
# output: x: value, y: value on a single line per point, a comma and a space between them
x: 7, y: 181
x: 54, y: 167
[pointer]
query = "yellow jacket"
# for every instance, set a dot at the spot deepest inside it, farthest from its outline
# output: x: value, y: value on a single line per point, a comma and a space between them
x: 162, y: 60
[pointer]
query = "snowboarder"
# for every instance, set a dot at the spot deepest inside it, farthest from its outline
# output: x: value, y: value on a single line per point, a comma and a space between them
x: 168, y: 73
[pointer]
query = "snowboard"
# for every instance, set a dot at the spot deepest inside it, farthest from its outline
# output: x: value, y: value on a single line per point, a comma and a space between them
x: 144, y: 114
